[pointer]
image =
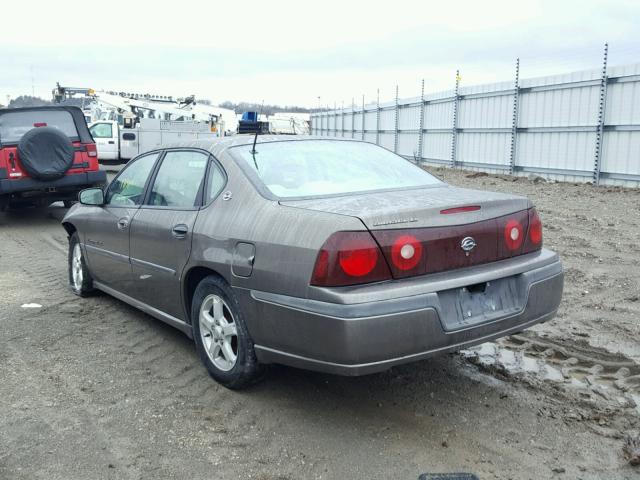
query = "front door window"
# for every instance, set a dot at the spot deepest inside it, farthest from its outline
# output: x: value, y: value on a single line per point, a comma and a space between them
x: 128, y: 187
x: 102, y: 130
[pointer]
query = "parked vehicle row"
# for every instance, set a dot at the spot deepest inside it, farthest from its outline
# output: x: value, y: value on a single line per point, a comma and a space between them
x: 325, y: 254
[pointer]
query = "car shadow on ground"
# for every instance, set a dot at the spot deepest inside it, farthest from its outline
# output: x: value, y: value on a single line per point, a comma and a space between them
x: 31, y: 215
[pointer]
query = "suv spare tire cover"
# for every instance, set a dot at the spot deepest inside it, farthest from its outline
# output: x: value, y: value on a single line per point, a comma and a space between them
x: 45, y: 153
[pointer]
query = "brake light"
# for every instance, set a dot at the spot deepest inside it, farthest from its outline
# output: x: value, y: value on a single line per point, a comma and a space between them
x: 349, y: 258
x: 92, y: 151
x: 357, y: 260
x: 40, y: 124
x: 468, y: 208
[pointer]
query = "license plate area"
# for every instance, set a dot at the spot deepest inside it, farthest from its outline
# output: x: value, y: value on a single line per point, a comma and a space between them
x: 480, y: 303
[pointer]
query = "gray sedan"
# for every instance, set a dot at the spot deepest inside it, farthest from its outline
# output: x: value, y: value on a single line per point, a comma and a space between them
x: 326, y: 254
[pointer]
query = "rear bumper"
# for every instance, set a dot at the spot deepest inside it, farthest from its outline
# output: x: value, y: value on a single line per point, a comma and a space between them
x: 371, y: 336
x: 68, y: 182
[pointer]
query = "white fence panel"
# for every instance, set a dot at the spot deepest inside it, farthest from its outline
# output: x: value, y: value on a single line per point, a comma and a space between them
x: 409, y: 117
x: 486, y: 112
x: 560, y: 108
x: 438, y: 115
x: 557, y: 151
x: 487, y: 148
x: 621, y: 152
x: 370, y: 118
x: 387, y: 140
x: 357, y: 122
x: 437, y: 146
x: 387, y: 119
x: 408, y: 144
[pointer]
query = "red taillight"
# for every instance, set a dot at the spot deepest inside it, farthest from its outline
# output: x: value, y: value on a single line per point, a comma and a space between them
x: 406, y: 252
x: 349, y: 258
x: 358, y: 259
x: 535, y: 227
x: 91, y: 149
x: 534, y: 238
x: 513, y: 235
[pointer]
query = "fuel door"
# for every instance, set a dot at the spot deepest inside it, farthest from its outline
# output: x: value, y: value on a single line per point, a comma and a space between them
x: 243, y: 257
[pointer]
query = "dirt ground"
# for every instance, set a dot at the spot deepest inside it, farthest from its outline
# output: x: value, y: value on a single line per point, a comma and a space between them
x: 93, y: 389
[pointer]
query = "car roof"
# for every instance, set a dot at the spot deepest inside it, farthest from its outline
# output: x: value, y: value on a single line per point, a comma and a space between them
x: 76, y: 113
x: 218, y: 145
x: 70, y: 108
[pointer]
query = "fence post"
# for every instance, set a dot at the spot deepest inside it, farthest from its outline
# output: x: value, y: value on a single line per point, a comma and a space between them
x: 454, y: 129
x: 353, y: 117
x: 362, y: 137
x: 342, y: 122
x: 421, y: 123
x: 514, y: 120
x: 601, y: 113
x: 326, y: 121
x: 395, y: 137
x: 378, y: 118
x: 335, y: 119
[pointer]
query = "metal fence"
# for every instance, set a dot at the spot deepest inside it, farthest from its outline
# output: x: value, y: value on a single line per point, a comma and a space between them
x: 582, y: 126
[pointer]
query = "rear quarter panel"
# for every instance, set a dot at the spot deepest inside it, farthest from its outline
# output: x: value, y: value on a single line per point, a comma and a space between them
x: 286, y: 239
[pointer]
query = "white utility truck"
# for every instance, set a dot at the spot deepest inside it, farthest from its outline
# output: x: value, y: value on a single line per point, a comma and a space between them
x: 118, y: 144
x: 127, y: 124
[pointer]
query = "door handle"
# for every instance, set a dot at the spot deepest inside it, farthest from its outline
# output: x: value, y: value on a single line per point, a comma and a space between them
x: 111, y: 142
x: 123, y: 223
x: 180, y: 230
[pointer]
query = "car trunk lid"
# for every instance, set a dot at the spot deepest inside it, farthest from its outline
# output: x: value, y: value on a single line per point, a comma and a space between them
x: 416, y: 208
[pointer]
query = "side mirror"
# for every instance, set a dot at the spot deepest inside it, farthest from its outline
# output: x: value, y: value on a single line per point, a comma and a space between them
x: 91, y: 196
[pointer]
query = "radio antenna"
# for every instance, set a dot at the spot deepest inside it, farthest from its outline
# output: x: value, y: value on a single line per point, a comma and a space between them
x: 258, y: 128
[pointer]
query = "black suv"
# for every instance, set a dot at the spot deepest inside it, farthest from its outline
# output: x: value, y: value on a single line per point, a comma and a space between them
x: 46, y: 154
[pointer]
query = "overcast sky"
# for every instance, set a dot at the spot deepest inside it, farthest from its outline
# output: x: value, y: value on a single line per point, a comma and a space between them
x: 292, y: 52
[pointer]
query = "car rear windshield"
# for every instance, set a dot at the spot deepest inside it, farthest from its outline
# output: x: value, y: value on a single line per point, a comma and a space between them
x: 312, y: 168
x: 13, y: 125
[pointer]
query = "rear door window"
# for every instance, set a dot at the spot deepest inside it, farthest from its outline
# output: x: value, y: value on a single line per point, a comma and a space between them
x: 13, y: 125
x: 178, y: 182
x: 215, y: 182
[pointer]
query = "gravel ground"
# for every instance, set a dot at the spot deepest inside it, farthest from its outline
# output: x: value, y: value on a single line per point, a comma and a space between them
x: 92, y: 389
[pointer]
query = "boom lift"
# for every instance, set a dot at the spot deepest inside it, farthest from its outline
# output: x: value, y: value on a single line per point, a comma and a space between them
x: 127, y: 124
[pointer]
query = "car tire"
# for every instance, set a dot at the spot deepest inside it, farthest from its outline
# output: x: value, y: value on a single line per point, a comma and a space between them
x: 80, y: 279
x: 220, y: 333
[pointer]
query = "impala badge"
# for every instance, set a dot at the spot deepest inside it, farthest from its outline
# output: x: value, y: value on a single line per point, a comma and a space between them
x: 467, y: 244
